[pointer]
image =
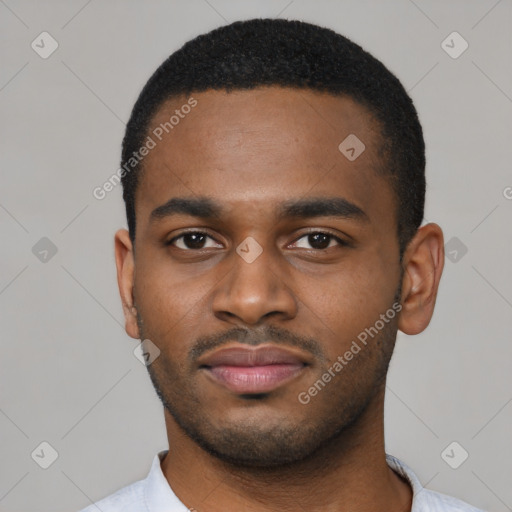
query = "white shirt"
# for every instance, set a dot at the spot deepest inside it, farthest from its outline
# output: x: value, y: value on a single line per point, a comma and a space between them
x: 153, y: 494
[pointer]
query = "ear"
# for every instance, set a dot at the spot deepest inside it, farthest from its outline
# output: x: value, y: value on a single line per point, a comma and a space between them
x: 125, y: 263
x: 423, y: 264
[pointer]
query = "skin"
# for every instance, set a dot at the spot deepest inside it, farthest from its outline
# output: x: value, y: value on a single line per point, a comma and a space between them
x: 251, y: 150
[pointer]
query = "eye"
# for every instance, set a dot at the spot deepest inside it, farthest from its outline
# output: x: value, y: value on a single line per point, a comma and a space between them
x: 192, y: 240
x: 320, y: 240
x: 198, y: 240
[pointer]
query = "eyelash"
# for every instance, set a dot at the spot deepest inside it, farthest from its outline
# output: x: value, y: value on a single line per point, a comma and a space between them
x: 341, y: 242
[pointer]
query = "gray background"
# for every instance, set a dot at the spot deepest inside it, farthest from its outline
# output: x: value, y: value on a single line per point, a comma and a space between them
x: 68, y: 374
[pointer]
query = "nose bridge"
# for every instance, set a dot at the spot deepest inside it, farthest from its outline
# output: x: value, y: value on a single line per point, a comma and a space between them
x: 255, y: 286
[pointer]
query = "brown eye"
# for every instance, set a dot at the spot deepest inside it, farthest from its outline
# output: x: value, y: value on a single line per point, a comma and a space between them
x: 193, y: 240
x: 320, y: 241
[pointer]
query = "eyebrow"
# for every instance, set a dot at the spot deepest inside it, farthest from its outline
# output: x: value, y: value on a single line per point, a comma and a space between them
x: 206, y: 208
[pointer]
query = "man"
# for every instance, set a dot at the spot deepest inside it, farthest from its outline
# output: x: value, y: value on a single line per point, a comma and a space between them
x: 274, y: 181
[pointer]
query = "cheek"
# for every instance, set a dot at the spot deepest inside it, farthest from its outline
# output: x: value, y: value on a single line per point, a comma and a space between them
x: 168, y: 304
x: 163, y: 283
x: 344, y: 303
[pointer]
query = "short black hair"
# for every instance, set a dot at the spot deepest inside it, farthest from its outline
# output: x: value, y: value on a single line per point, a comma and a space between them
x: 290, y: 53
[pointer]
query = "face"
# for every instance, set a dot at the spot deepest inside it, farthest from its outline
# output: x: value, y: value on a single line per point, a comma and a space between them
x: 255, y: 231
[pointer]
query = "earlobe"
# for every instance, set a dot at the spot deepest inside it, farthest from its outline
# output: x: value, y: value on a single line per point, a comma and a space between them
x: 125, y: 263
x: 423, y: 265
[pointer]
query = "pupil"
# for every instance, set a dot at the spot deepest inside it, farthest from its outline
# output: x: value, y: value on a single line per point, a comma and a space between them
x: 194, y: 240
x: 319, y: 239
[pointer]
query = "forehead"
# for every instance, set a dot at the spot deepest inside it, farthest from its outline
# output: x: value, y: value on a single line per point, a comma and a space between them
x: 261, y: 146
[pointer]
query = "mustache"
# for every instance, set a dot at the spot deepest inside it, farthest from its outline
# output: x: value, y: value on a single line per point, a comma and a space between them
x: 265, y: 334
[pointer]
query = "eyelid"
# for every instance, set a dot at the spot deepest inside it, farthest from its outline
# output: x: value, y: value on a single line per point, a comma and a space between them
x: 200, y: 231
x: 341, y: 241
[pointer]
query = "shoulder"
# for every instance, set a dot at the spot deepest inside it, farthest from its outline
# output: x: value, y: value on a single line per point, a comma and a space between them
x: 436, y: 502
x: 425, y: 500
x: 127, y: 499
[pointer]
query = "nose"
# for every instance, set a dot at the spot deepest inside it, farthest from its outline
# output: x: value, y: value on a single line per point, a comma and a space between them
x: 254, y: 290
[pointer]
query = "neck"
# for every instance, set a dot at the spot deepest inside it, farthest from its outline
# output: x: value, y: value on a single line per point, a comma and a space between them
x: 349, y: 473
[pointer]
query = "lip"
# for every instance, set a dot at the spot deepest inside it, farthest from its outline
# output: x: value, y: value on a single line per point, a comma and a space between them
x: 249, y: 370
